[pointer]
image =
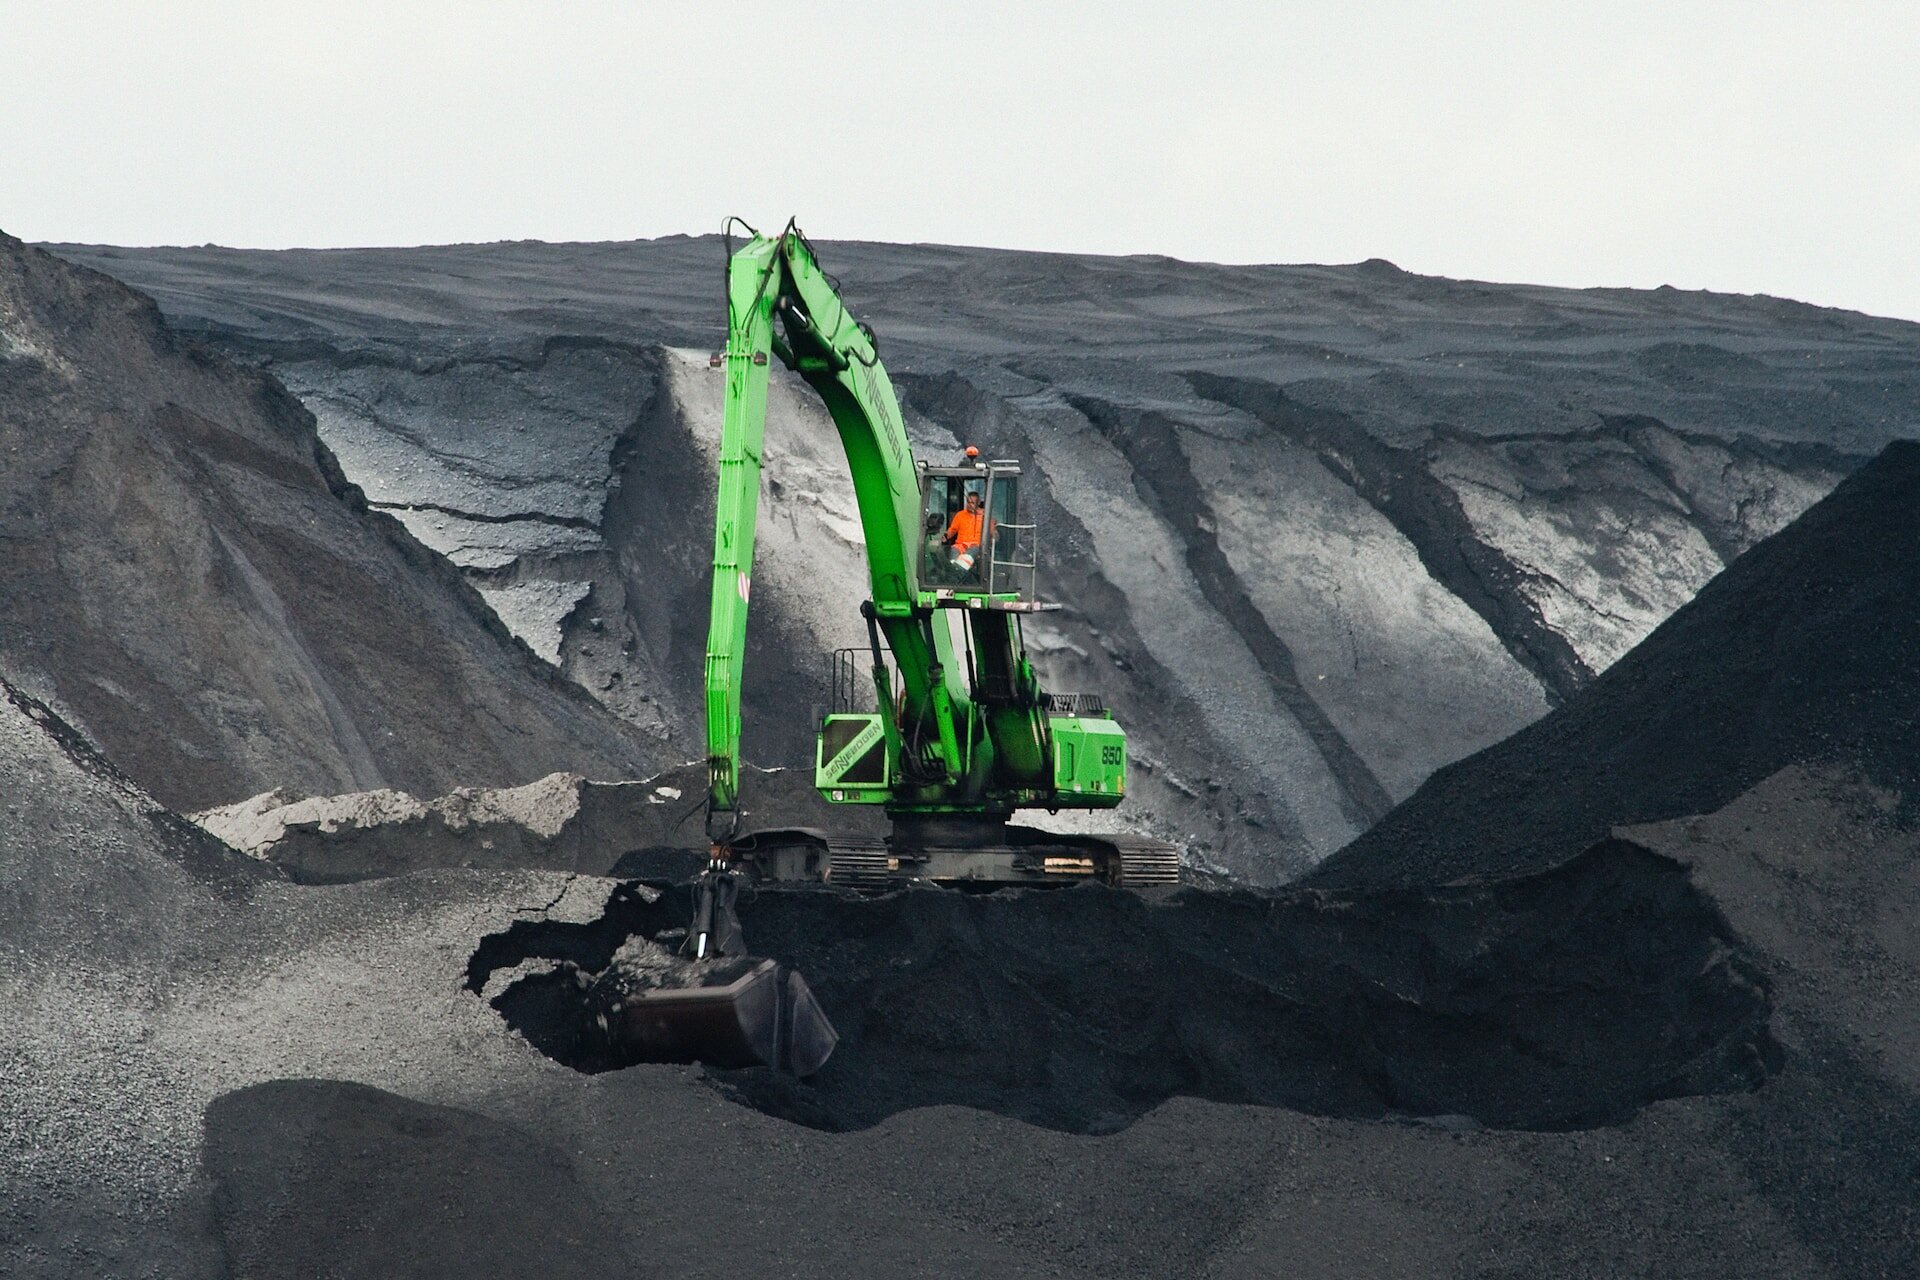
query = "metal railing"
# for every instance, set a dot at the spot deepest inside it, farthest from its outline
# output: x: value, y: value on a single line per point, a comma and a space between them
x: 1014, y: 565
x: 850, y: 675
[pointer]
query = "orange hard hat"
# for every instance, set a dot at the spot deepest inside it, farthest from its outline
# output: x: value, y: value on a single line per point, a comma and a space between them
x: 972, y: 451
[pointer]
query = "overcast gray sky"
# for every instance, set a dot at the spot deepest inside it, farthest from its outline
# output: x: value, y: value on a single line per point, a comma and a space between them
x: 1748, y: 146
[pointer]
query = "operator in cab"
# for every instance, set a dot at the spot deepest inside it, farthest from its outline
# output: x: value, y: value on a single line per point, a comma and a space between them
x: 963, y: 532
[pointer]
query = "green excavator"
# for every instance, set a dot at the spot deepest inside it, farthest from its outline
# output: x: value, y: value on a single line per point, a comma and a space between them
x: 940, y: 720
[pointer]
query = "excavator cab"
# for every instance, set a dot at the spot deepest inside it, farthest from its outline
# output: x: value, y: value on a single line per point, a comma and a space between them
x: 973, y: 543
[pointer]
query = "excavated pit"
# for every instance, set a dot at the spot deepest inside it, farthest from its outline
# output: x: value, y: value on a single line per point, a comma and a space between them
x: 1560, y: 1000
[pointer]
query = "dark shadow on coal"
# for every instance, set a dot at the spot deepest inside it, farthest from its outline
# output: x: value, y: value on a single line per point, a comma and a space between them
x: 328, y: 1178
x: 1564, y: 999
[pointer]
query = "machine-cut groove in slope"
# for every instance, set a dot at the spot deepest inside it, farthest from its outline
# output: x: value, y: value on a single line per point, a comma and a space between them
x: 1727, y: 534
x: 1163, y: 478
x: 1427, y: 513
x: 481, y: 517
x: 1561, y: 1000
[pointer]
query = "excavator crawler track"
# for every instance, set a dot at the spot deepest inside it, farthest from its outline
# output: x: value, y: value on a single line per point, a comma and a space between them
x: 1022, y: 857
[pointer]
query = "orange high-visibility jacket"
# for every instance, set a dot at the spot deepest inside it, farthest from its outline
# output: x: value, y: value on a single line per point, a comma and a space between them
x: 964, y: 529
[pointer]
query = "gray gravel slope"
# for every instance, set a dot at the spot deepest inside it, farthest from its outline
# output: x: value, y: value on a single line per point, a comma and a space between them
x: 267, y: 1079
x: 190, y: 579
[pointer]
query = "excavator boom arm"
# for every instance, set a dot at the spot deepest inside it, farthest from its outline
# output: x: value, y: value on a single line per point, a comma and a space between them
x: 780, y: 276
x: 752, y: 285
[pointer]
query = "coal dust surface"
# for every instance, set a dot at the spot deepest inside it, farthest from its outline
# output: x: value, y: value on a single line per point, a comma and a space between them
x: 1554, y: 1001
x: 294, y: 1161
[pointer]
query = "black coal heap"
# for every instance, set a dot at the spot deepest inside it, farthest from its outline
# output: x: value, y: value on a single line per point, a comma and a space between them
x: 1807, y: 648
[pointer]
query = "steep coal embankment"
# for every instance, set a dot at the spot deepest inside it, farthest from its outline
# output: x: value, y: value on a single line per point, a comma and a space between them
x: 1768, y: 739
x: 1806, y: 649
x: 1320, y: 530
x: 191, y: 580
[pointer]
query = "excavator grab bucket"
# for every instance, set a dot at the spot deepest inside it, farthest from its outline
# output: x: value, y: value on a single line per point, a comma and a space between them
x: 712, y: 1002
x: 738, y: 1011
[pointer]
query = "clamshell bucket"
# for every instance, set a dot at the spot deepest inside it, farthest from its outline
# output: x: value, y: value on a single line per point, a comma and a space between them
x: 734, y: 1012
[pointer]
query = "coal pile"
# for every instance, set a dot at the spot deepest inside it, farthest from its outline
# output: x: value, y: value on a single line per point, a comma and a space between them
x: 1555, y: 1001
x: 1686, y: 1048
x: 1806, y: 649
x: 193, y: 582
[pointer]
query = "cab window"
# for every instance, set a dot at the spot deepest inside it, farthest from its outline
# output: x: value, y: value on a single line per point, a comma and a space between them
x: 945, y: 515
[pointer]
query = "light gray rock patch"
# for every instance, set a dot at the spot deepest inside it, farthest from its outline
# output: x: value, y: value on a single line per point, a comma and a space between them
x: 1207, y: 659
x: 1410, y: 676
x: 537, y: 611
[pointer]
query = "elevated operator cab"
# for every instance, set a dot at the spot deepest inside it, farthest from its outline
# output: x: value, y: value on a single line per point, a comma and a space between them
x: 976, y: 566
x: 975, y: 550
